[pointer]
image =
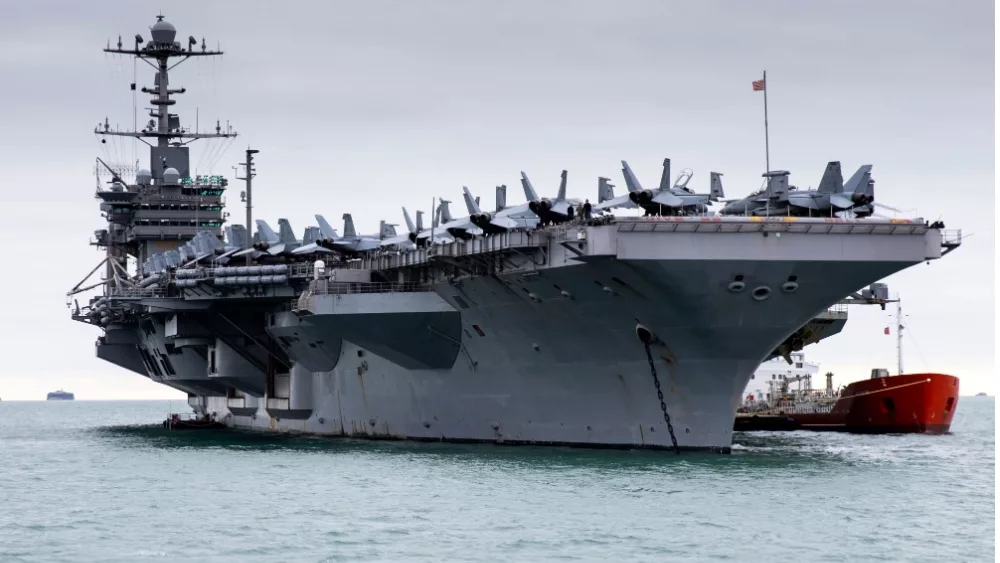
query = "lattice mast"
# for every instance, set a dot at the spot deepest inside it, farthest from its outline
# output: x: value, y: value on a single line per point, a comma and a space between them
x: 165, y: 206
x: 157, y: 54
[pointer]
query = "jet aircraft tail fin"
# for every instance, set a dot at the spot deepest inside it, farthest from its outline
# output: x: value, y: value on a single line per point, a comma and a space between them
x: 631, y: 182
x: 471, y: 204
x: 833, y: 180
x: 239, y: 236
x: 325, y: 228
x: 605, y: 190
x: 529, y: 191
x: 716, y: 193
x: 409, y: 222
x: 854, y: 189
x: 349, y: 226
x: 777, y: 185
x: 444, y: 211
x: 310, y: 236
x: 266, y: 233
x: 386, y: 230
x: 858, y: 183
x: 562, y: 187
x: 285, y: 232
x: 501, y: 197
x: 665, y: 176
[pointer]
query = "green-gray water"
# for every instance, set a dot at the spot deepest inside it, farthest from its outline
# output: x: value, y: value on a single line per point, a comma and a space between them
x: 101, y: 481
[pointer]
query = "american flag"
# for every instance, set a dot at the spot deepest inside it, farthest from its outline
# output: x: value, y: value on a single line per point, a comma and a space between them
x: 758, y: 85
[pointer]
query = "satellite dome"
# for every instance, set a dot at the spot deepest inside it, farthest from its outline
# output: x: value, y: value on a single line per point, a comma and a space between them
x: 163, y: 32
x: 144, y: 177
x: 171, y: 176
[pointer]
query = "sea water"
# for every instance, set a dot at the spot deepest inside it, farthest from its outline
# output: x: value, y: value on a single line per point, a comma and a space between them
x: 102, y: 481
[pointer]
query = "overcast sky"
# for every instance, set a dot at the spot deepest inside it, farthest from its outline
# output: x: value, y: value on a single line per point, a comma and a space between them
x: 367, y: 106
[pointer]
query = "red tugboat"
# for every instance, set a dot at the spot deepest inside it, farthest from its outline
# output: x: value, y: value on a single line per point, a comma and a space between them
x: 882, y: 404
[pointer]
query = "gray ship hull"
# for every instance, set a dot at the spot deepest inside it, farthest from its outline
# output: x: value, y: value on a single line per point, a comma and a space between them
x: 547, y: 353
x: 562, y: 370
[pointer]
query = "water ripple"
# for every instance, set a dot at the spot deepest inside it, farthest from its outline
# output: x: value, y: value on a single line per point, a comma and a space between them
x: 97, y: 481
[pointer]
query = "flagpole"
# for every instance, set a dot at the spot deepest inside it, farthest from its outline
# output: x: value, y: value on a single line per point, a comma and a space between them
x: 767, y: 148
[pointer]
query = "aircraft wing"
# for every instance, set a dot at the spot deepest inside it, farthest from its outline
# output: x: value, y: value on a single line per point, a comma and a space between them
x: 668, y: 199
x: 442, y: 230
x: 620, y: 201
x: 505, y: 222
x: 362, y: 244
x: 561, y: 207
x: 507, y: 217
x: 253, y: 252
x: 841, y: 201
x: 396, y: 240
x: 804, y: 200
x: 215, y: 257
x: 443, y: 238
x: 311, y: 248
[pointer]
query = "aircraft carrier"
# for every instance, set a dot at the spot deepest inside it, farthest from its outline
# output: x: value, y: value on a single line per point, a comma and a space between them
x: 529, y: 324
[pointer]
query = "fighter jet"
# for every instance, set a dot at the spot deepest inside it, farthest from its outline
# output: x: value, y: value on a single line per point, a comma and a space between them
x: 416, y: 235
x: 666, y: 199
x: 272, y: 244
x: 211, y: 250
x: 832, y: 196
x: 446, y: 224
x: 350, y: 243
x: 504, y: 218
x: 558, y: 210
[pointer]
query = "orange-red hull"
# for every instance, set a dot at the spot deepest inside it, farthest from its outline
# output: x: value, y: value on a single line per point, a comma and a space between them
x: 910, y: 403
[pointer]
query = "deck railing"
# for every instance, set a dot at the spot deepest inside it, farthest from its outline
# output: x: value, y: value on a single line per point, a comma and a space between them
x: 136, y: 292
x: 346, y: 288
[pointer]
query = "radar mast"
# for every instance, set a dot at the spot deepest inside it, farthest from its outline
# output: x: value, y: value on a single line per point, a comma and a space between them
x: 165, y: 207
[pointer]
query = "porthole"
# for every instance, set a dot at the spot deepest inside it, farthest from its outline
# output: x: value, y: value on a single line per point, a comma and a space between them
x: 761, y: 293
x: 790, y: 287
x: 737, y: 286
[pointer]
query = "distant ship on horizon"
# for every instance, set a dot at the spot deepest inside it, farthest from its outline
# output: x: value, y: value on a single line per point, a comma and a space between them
x: 59, y: 395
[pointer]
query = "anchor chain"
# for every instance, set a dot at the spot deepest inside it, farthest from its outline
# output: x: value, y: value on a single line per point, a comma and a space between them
x: 659, y: 394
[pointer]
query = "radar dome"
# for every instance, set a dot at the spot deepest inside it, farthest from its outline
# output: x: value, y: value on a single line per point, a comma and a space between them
x: 144, y: 177
x: 163, y: 32
x: 171, y: 176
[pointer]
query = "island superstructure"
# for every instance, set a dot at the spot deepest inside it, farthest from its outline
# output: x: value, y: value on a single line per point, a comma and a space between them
x: 528, y: 324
